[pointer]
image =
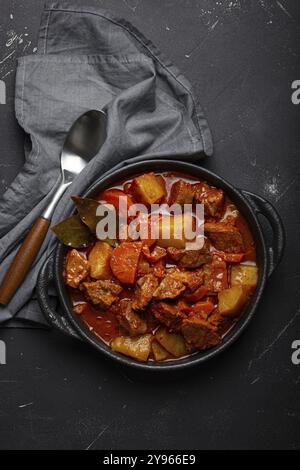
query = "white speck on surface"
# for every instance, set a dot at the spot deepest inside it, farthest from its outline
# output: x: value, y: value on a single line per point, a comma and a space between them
x: 11, y: 16
x: 167, y: 28
x: 272, y: 187
x: 34, y: 49
x: 198, y: 46
x: 278, y: 336
x: 12, y: 37
x: 28, y: 44
x: 255, y: 381
x: 283, y: 8
x: 96, y: 438
x: 220, y: 9
x: 214, y: 25
x: 131, y: 4
x: 287, y: 188
x: 26, y: 404
x: 7, y: 57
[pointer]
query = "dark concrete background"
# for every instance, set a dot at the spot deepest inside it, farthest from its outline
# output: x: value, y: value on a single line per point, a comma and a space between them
x: 241, y: 57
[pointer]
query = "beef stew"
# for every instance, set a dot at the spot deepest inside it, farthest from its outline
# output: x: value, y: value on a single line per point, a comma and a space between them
x: 154, y: 300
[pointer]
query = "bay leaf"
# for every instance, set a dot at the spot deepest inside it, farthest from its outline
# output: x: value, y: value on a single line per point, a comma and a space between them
x: 72, y: 232
x: 87, y: 209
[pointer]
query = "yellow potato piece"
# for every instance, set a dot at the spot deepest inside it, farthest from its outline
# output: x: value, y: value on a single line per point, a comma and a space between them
x: 159, y: 353
x: 99, y: 258
x: 232, y: 300
x: 173, y: 343
x: 149, y: 188
x: 244, y: 275
x: 138, y: 348
x: 173, y: 230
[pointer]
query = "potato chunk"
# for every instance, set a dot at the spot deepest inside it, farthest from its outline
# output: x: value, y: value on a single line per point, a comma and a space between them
x: 99, y: 258
x: 159, y: 353
x: 173, y: 230
x: 138, y: 348
x: 244, y: 275
x: 173, y: 343
x: 232, y: 300
x: 148, y: 188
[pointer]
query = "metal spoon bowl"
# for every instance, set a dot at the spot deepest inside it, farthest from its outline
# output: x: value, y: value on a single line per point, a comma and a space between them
x: 82, y: 143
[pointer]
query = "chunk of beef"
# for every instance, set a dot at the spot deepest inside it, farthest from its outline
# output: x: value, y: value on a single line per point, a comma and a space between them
x: 175, y: 283
x: 102, y: 293
x: 144, y: 291
x: 190, y: 258
x: 197, y: 294
x: 169, y: 315
x: 169, y: 288
x: 156, y: 254
x: 212, y: 198
x: 221, y: 323
x: 76, y: 268
x: 129, y: 319
x: 224, y: 237
x: 159, y: 268
x: 199, y: 333
x: 215, y: 275
x: 143, y: 267
x: 181, y: 193
x: 191, y: 279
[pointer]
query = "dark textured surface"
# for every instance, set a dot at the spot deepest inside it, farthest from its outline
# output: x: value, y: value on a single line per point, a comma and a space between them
x: 241, y: 57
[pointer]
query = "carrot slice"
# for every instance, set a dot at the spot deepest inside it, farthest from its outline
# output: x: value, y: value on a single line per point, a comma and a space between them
x: 112, y: 196
x: 125, y: 260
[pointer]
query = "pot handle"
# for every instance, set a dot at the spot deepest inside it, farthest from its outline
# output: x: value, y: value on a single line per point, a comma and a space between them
x: 264, y: 207
x: 45, y: 278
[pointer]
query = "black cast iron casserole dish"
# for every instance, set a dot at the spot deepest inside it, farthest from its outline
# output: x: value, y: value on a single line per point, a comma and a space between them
x: 249, y: 204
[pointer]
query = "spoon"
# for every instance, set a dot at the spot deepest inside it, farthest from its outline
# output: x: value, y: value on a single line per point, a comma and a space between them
x: 82, y: 143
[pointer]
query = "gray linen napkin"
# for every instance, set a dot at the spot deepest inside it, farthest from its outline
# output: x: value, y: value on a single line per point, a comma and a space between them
x: 89, y: 59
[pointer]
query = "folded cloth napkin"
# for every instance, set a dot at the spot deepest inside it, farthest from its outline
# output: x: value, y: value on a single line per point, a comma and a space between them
x: 89, y: 59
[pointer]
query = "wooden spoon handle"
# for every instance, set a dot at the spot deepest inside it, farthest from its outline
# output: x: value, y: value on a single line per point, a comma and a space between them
x: 23, y: 260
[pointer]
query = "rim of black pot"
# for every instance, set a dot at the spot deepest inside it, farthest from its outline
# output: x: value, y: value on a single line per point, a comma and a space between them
x: 243, y: 204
